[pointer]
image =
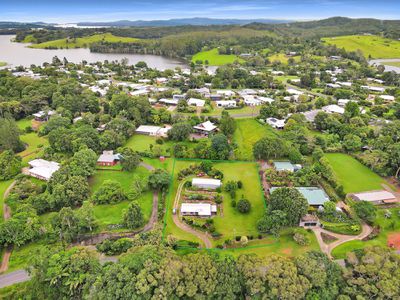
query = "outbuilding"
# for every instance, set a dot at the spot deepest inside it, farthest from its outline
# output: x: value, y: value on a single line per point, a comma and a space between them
x: 376, y: 197
x: 206, y: 183
x: 198, y: 209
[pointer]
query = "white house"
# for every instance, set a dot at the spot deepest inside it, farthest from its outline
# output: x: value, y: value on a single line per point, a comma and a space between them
x: 206, y: 183
x: 343, y: 102
x: 44, y: 116
x: 205, y: 127
x: 198, y: 209
x: 42, y: 169
x: 168, y: 101
x: 387, y: 98
x: 178, y: 97
x: 377, y: 89
x: 226, y: 103
x: 152, y: 130
x: 294, y: 92
x: 265, y: 99
x: 226, y: 93
x: 276, y: 123
x: 333, y: 109
x: 196, y: 102
x: 250, y: 100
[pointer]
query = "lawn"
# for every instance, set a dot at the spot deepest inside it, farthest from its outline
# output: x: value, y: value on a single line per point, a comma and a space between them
x: 141, y: 143
x: 354, y: 176
x: 231, y: 223
x: 387, y: 226
x: 248, y: 132
x: 370, y: 45
x: 20, y: 257
x: 23, y: 123
x: 107, y: 214
x: 35, y: 145
x: 283, y: 58
x: 3, y: 187
x: 84, y: 42
x: 214, y: 58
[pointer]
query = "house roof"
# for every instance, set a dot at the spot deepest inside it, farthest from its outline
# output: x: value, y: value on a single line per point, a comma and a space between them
x: 197, y: 102
x: 206, y: 126
x: 108, y: 156
x: 314, y: 195
x: 373, y: 196
x: 202, y: 209
x: 43, y: 168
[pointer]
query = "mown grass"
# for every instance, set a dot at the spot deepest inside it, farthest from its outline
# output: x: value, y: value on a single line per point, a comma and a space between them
x: 354, y: 176
x: 34, y: 146
x: 387, y: 226
x: 248, y: 132
x: 370, y: 45
x: 84, y: 42
x: 214, y: 58
x: 283, y: 58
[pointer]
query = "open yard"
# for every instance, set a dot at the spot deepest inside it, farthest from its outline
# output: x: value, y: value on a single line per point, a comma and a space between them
x: 370, y: 45
x: 230, y: 223
x: 108, y: 214
x: 214, y: 58
x: 84, y: 42
x: 354, y: 176
x: 34, y: 146
x: 143, y: 143
x: 247, y: 133
x: 388, y: 227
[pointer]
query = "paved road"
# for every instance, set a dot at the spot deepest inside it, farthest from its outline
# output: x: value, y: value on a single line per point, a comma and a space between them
x: 13, y: 278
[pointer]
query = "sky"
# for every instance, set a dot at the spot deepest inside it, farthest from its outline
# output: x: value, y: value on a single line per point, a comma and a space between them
x: 69, y: 11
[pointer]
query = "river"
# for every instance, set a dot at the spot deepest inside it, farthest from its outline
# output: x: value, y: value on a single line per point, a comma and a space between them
x: 18, y: 54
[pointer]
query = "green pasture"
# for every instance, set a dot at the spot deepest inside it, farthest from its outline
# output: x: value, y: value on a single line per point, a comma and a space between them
x: 214, y: 58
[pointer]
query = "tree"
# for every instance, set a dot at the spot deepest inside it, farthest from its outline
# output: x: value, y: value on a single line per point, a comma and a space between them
x: 9, y: 136
x: 10, y: 165
x: 231, y: 187
x: 130, y: 159
x: 109, y: 192
x: 83, y: 163
x: 180, y: 131
x: 243, y: 206
x: 220, y: 148
x: 351, y: 110
x: 291, y: 202
x: 54, y: 123
x: 269, y: 147
x: 69, y: 193
x: 133, y: 216
x: 227, y: 124
x: 365, y: 210
x: 352, y: 142
x: 159, y: 180
x: 273, y: 221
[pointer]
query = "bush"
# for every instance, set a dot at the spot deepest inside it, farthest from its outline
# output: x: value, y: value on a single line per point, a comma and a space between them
x: 243, y: 206
x: 301, y: 238
x: 114, y: 247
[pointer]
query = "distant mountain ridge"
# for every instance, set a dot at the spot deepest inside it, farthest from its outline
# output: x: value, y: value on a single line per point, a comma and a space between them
x: 184, y: 21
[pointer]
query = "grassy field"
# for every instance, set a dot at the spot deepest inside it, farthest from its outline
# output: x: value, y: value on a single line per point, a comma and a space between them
x: 214, y: 58
x: 3, y: 187
x: 283, y: 58
x: 107, y: 214
x: 84, y: 42
x: 354, y: 176
x: 35, y: 145
x: 370, y: 45
x: 231, y: 223
x: 23, y: 123
x: 387, y: 226
x: 247, y: 133
x: 141, y: 143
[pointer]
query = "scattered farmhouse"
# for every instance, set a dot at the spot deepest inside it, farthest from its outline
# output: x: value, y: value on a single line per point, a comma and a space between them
x: 205, y: 128
x: 153, y: 130
x: 42, y: 169
x: 198, y: 209
x: 206, y: 183
x: 108, y: 158
x: 375, y: 197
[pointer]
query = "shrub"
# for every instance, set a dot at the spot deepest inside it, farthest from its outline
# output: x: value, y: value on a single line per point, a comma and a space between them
x: 243, y: 206
x: 301, y: 238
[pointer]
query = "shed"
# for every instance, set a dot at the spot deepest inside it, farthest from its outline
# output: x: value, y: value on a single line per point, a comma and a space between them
x: 198, y: 209
x: 375, y: 197
x: 206, y: 183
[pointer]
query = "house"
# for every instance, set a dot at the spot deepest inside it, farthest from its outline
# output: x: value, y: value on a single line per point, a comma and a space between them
x: 387, y: 98
x: 250, y: 100
x: 178, y: 97
x: 294, y: 92
x: 343, y: 102
x: 206, y: 183
x: 139, y: 92
x: 286, y: 166
x: 205, y: 128
x: 226, y: 93
x: 216, y: 97
x: 169, y: 101
x: 161, y: 80
x: 198, y: 209
x: 276, y: 123
x: 333, y: 85
x: 42, y: 116
x: 309, y: 221
x: 205, y: 92
x: 375, y: 197
x: 265, y: 99
x: 346, y: 84
x: 311, y: 114
x: 42, y: 169
x: 108, y: 158
x: 333, y: 109
x: 153, y: 130
x: 226, y: 103
x: 315, y: 196
x: 196, y: 102
x: 373, y: 88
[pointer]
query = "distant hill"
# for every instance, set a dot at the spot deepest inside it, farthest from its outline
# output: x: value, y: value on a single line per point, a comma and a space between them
x: 180, y: 22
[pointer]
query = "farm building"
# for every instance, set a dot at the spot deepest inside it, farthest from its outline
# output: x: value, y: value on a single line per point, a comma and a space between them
x: 108, y: 158
x: 205, y: 128
x: 198, y: 209
x: 206, y: 183
x: 309, y: 221
x: 42, y: 169
x: 152, y: 130
x: 375, y: 197
x: 286, y: 166
x: 315, y: 196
